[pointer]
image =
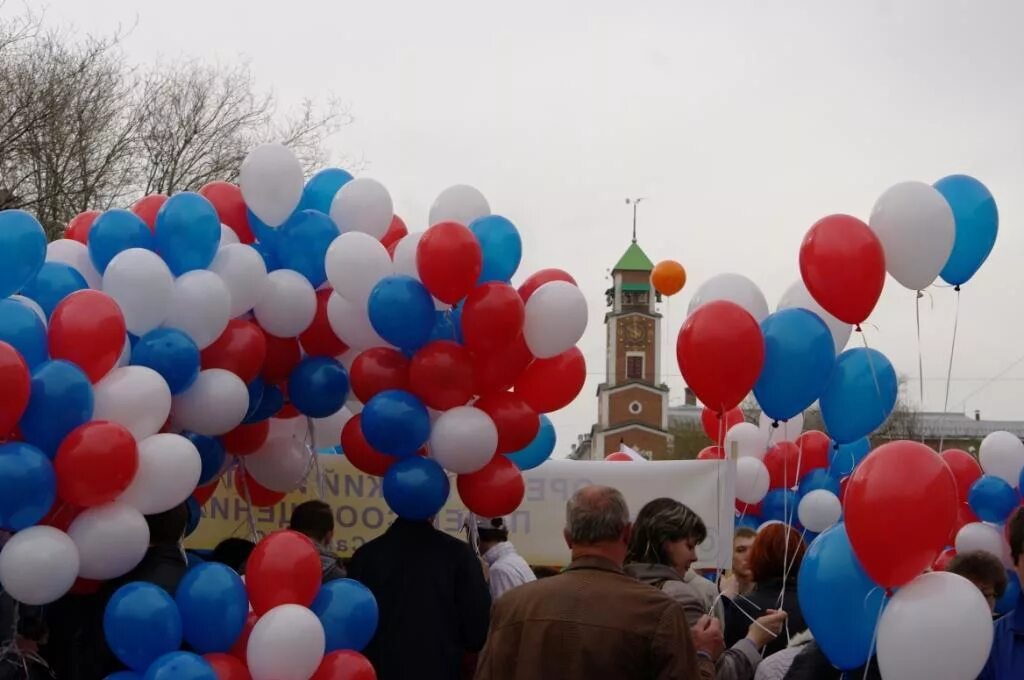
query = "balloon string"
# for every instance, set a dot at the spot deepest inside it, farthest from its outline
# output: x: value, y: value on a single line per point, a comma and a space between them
x: 314, y: 459
x: 920, y: 355
x: 253, y: 531
x: 949, y: 369
x: 874, y: 635
x: 874, y: 376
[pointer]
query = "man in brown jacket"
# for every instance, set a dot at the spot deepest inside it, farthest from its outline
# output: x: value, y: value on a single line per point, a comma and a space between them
x: 592, y: 621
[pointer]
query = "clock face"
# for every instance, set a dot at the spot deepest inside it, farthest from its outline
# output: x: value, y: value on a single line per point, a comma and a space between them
x: 634, y: 332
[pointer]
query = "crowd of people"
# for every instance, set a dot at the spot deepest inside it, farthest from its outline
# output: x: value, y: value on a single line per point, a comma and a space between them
x: 629, y: 605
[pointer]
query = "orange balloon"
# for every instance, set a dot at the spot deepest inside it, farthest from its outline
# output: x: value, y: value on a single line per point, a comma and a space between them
x: 668, y: 277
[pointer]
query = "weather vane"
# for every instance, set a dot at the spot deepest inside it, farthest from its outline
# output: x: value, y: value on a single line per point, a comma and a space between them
x: 634, y: 202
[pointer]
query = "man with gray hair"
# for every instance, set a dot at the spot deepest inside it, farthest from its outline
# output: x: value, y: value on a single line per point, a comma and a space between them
x: 592, y: 621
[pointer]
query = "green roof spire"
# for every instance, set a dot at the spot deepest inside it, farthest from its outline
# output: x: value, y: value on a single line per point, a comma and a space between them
x: 634, y: 260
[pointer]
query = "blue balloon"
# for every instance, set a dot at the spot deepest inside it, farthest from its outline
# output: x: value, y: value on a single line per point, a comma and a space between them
x: 187, y: 232
x: 180, y: 666
x: 748, y: 521
x: 141, y: 623
x: 977, y: 224
x: 845, y: 457
x: 401, y: 310
x: 28, y: 485
x: 115, y: 231
x: 318, y: 386
x: 172, y: 354
x: 271, y: 401
x: 348, y: 611
x: 502, y: 248
x: 839, y: 602
x: 798, y: 359
x: 992, y: 499
x: 54, y: 282
x: 447, y: 325
x: 819, y: 478
x: 780, y: 505
x: 22, y: 250
x: 860, y: 395
x: 395, y: 422
x: 61, y: 400
x: 537, y: 451
x: 195, y: 515
x: 22, y: 329
x: 415, y: 488
x: 211, y: 453
x: 213, y: 606
x: 124, y: 675
x: 1008, y: 602
x: 321, y: 188
x: 269, y: 258
x: 303, y: 243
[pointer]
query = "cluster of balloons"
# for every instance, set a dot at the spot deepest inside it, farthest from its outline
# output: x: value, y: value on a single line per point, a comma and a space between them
x: 279, y: 624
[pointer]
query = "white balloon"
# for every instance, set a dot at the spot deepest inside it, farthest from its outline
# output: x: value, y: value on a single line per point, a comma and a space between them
x: 463, y: 440
x: 556, y: 317
x: 916, y: 227
x: 819, y: 509
x: 287, y: 643
x: 142, y: 286
x: 788, y: 431
x: 460, y: 203
x: 751, y: 479
x: 271, y: 181
x: 297, y: 428
x: 34, y: 306
x: 134, y: 396
x: 797, y: 295
x: 981, y: 536
x: 111, y: 539
x: 734, y: 288
x: 75, y: 254
x: 281, y: 464
x: 288, y: 304
x: 200, y: 308
x: 214, y: 404
x: 169, y: 469
x: 363, y: 204
x: 327, y: 431
x: 918, y: 639
x: 38, y: 565
x: 244, y: 273
x: 351, y: 323
x: 227, y: 236
x: 748, y: 440
x: 355, y: 262
x: 1002, y: 454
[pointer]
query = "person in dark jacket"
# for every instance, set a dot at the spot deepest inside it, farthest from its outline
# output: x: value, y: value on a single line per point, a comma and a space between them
x: 315, y: 520
x: 233, y: 552
x: 433, y: 600
x: 775, y: 561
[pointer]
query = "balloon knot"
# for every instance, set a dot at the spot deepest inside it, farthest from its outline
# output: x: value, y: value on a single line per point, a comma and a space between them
x: 956, y: 288
x: 888, y: 592
x: 775, y: 424
x: 857, y: 328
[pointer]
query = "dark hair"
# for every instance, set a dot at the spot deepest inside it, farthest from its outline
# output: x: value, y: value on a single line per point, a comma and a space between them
x: 744, y: 532
x: 233, y: 552
x: 979, y: 566
x: 1015, y: 534
x: 314, y: 519
x: 168, y: 527
x: 663, y: 519
x: 778, y: 550
x: 495, y: 532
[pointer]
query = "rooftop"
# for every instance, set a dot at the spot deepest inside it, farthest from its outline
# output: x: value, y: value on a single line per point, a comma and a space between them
x: 634, y: 260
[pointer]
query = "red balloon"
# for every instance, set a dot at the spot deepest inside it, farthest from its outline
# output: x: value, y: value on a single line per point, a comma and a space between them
x: 538, y: 279
x: 441, y: 375
x: 900, y: 508
x: 495, y: 490
x: 227, y: 201
x: 753, y: 509
x: 228, y: 667
x: 85, y: 586
x: 618, y: 457
x: 783, y: 463
x: 517, y: 423
x: 378, y: 369
x: 283, y: 355
x: 61, y: 515
x: 87, y: 328
x: 204, y: 493
x: 147, y: 207
x: 711, y: 453
x: 716, y: 426
x: 241, y: 349
x: 284, y: 568
x: 246, y: 438
x: 843, y: 266
x: 17, y: 382
x: 815, y: 448
x: 943, y: 559
x: 241, y: 646
x: 550, y: 384
x: 492, y: 317
x: 359, y: 452
x: 255, y: 493
x: 395, y: 233
x: 345, y: 665
x: 965, y: 469
x: 95, y: 463
x: 720, y: 351
x: 319, y: 340
x: 497, y: 370
x: 449, y: 259
x: 79, y: 226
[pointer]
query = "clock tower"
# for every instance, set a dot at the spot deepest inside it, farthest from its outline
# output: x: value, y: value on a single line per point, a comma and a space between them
x: 632, y: 401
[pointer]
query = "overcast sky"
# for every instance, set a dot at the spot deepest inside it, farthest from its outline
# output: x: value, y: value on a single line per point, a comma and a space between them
x: 741, y: 122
